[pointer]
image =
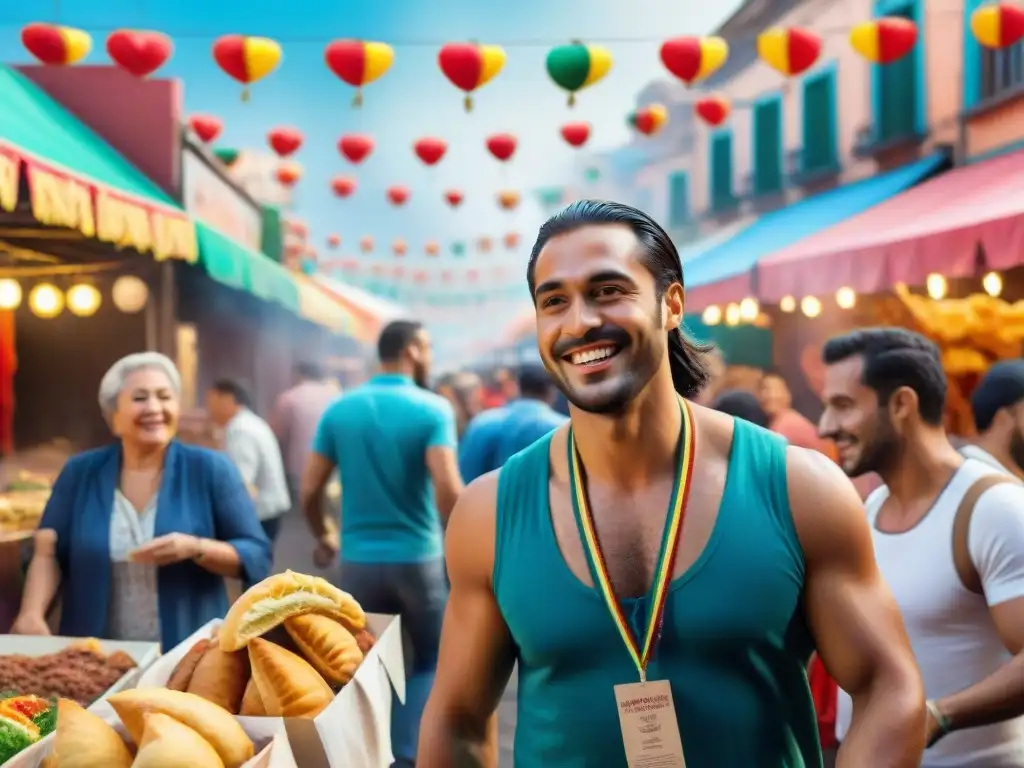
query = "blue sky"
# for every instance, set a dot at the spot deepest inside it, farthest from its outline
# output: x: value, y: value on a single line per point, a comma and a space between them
x: 412, y: 100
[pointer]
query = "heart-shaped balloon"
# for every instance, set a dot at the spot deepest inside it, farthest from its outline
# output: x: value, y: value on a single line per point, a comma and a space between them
x: 206, y: 127
x: 502, y: 146
x: 139, y: 52
x: 54, y: 45
x: 343, y: 186
x: 284, y: 141
x: 398, y: 195
x: 713, y: 110
x: 576, y: 134
x: 356, y: 147
x: 430, y: 149
x: 454, y: 197
x: 692, y: 59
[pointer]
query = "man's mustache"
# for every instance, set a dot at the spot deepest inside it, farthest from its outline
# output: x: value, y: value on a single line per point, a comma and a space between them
x: 609, y: 333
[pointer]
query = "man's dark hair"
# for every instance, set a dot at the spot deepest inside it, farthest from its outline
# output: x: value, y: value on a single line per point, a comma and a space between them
x: 234, y: 388
x: 894, y: 358
x: 658, y: 255
x: 396, y: 338
x: 742, y: 405
x: 310, y: 371
x: 1001, y: 387
x: 534, y: 382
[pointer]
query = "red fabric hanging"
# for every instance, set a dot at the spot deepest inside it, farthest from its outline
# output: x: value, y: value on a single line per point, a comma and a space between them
x: 8, y: 365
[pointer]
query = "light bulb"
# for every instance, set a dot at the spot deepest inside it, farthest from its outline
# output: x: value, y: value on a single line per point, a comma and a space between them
x: 787, y: 304
x: 83, y: 300
x: 712, y: 315
x: 732, y: 314
x: 748, y: 310
x: 10, y: 293
x: 846, y: 298
x: 992, y: 283
x: 936, y: 286
x: 129, y: 294
x: 46, y: 300
x: 810, y: 306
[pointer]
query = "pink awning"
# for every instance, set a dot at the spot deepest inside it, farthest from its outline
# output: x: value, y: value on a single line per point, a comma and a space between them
x: 934, y: 227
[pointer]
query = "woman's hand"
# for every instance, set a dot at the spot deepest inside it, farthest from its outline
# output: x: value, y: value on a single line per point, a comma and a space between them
x: 30, y: 624
x: 167, y: 549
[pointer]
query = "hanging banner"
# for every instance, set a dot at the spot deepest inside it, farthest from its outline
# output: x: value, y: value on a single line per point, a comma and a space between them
x: 10, y: 165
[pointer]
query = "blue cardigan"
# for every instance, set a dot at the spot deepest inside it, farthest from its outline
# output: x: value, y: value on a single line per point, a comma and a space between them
x: 201, y: 493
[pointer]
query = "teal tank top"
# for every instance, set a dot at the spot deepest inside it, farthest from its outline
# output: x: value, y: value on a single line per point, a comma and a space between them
x: 734, y: 644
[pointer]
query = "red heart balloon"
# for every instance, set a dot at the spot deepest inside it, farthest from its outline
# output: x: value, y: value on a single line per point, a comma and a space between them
x: 343, y: 186
x: 430, y: 150
x: 284, y: 141
x: 206, y: 127
x: 398, y: 195
x: 681, y: 56
x: 454, y: 197
x: 502, y: 146
x: 334, y: 240
x: 355, y: 146
x: 139, y: 52
x: 45, y: 42
x: 713, y: 110
x: 461, y: 64
x: 347, y: 60
x: 576, y: 134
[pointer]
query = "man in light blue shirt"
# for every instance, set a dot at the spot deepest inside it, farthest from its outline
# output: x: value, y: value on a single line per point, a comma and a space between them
x: 393, y: 443
x: 499, y: 433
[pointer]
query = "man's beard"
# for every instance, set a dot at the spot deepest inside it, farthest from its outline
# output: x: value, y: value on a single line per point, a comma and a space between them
x: 420, y: 377
x: 1017, y: 449
x: 881, y: 453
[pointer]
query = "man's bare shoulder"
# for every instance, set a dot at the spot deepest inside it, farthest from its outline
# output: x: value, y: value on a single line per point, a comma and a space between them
x: 469, y: 537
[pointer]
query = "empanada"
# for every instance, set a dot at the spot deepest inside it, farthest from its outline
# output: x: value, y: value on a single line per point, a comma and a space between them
x: 84, y: 740
x: 252, y: 702
x: 220, y: 677
x: 211, y: 722
x: 182, y: 674
x: 166, y: 743
x: 327, y: 645
x: 288, y: 685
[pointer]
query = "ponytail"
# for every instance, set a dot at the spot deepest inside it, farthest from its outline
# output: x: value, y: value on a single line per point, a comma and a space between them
x: 686, y: 361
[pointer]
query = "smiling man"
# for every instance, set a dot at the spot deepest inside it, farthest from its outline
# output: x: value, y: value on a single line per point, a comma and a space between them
x: 660, y: 571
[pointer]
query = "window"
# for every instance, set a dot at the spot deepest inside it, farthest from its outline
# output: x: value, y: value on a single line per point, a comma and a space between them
x: 678, y: 199
x: 1001, y: 70
x: 768, y: 146
x: 897, y: 94
x: 820, y: 151
x: 721, y: 172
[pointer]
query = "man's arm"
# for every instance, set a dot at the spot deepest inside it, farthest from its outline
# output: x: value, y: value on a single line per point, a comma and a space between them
x: 442, y: 462
x: 996, y: 545
x: 855, y: 621
x: 311, y: 494
x: 458, y: 729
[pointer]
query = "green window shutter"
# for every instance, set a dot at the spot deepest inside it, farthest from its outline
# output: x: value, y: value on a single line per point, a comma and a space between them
x: 721, y: 172
x: 678, y: 199
x: 819, y: 123
x: 896, y: 101
x: 768, y: 147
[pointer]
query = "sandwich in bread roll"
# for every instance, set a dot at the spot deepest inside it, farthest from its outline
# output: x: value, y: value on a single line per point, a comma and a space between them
x: 252, y: 702
x: 166, y: 743
x: 281, y: 596
x: 84, y: 740
x: 327, y: 645
x: 211, y: 722
x: 220, y: 677
x: 288, y: 685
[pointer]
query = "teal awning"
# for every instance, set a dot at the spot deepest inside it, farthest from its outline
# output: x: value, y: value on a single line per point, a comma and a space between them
x: 725, y: 272
x: 229, y: 262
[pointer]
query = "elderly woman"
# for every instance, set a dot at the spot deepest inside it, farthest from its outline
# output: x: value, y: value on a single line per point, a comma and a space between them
x: 140, y: 534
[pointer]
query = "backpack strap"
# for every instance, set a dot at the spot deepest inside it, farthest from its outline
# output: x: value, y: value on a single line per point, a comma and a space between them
x: 961, y: 529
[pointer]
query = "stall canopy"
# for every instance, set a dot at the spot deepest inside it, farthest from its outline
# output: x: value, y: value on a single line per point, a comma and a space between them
x: 78, y: 181
x: 316, y: 305
x: 369, y: 312
x: 690, y: 251
x: 229, y: 262
x: 726, y: 272
x: 936, y: 227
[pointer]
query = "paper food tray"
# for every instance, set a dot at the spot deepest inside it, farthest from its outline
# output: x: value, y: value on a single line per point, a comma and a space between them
x: 355, y: 730
x: 271, y: 744
x: 144, y: 654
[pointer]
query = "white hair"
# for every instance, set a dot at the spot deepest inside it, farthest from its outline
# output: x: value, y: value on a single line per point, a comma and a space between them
x: 114, y: 379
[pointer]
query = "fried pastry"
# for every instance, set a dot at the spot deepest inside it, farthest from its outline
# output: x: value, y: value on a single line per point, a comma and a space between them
x: 252, y: 702
x: 166, y: 743
x: 220, y: 677
x: 281, y: 596
x: 211, y: 722
x: 364, y: 639
x: 328, y: 646
x: 84, y: 740
x: 288, y: 685
x: 182, y: 674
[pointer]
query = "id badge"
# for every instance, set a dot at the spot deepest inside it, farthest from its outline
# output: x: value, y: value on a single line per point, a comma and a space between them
x: 650, y: 731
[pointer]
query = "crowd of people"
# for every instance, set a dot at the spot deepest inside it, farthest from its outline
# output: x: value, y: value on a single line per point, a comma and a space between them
x: 660, y: 565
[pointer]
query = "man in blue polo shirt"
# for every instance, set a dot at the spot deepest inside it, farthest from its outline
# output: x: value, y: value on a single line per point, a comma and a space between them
x: 497, y: 434
x: 393, y: 443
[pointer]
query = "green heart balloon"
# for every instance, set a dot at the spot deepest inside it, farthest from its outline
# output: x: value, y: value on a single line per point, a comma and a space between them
x: 577, y: 66
x: 458, y: 249
x: 227, y: 156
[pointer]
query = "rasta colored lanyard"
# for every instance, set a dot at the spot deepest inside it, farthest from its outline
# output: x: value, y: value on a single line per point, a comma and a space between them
x: 640, y: 653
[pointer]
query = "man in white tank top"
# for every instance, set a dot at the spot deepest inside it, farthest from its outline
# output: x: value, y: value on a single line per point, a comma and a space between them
x: 949, y: 540
x: 998, y: 406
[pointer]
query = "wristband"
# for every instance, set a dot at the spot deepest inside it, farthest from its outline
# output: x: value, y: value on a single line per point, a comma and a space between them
x: 943, y: 722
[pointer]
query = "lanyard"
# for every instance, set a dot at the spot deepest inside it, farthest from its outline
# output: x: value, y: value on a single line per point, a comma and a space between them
x: 670, y: 542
